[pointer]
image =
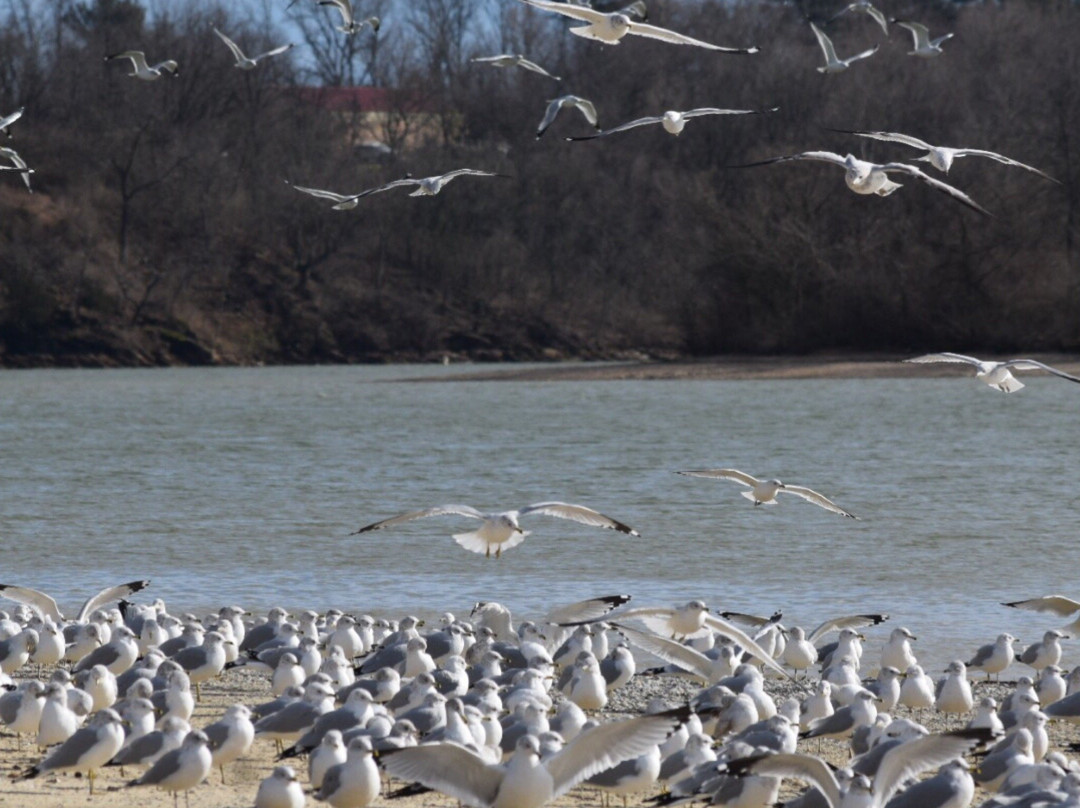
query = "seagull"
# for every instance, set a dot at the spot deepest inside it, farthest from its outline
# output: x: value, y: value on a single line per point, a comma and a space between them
x: 19, y: 165
x: 833, y: 63
x: 1054, y: 604
x: 764, y: 491
x: 941, y: 157
x: 672, y: 121
x: 996, y: 374
x: 230, y: 737
x: 924, y: 45
x: 242, y: 61
x: 180, y: 769
x: 428, y: 186
x: 141, y: 70
x: 280, y: 790
x: 501, y: 530
x: 610, y: 28
x: 513, y: 60
x: 7, y: 120
x: 343, y: 201
x: 865, y: 7
x: 555, y: 105
x: 864, y: 177
x: 87, y: 750
x: 349, y: 25
x: 45, y: 605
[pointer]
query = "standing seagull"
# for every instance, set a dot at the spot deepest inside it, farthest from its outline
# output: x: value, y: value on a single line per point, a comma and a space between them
x: 242, y: 61
x: 7, y: 120
x: 141, y: 70
x: 995, y: 374
x: 941, y: 157
x: 610, y: 28
x: 865, y: 7
x: 280, y: 790
x: 45, y: 605
x: 513, y: 60
x: 924, y: 46
x: 501, y: 529
x: 864, y: 177
x: 349, y: 24
x: 764, y: 491
x: 672, y: 120
x: 556, y: 105
x: 181, y: 769
x: 87, y: 750
x: 833, y: 63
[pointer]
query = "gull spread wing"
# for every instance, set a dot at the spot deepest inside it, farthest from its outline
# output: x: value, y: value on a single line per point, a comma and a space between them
x: 274, y: 52
x: 826, y: 45
x: 723, y: 474
x: 912, y: 758
x: 138, y: 58
x: 169, y: 65
x: 878, y: 16
x: 721, y: 626
x: 813, y: 496
x: 38, y: 601
x: 807, y: 768
x: 1055, y: 604
x: 609, y: 744
x: 852, y: 621
x: 8, y: 120
x: 936, y: 184
x: 108, y: 595
x: 236, y: 52
x: 323, y: 194
x: 578, y: 513
x: 866, y: 54
x: 586, y: 610
x: 821, y: 156
x: 552, y: 111
x: 945, y: 357
x: 1001, y: 158
x: 535, y: 68
x: 342, y: 6
x: 447, y: 768
x: 19, y: 165
x: 1031, y: 364
x: 438, y: 510
x: 587, y: 109
x: 663, y: 34
x: 920, y: 34
x: 697, y: 113
x: 566, y: 9
x: 690, y: 660
x: 892, y: 137
x: 621, y: 127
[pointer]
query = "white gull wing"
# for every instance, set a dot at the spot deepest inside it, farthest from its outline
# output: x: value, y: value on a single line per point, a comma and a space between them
x: 723, y: 474
x: 1001, y: 158
x: 821, y: 156
x: 108, y: 595
x: 866, y: 54
x: 721, y: 626
x: 653, y: 119
x: 1031, y: 364
x: 851, y: 621
x: 808, y: 768
x: 38, y: 601
x: 273, y: 52
x: 621, y: 127
x: 566, y: 9
x: 583, y: 104
x: 936, y: 184
x: 697, y: 113
x: 585, y: 610
x: 920, y: 34
x: 607, y: 745
x: 19, y: 165
x: 438, y: 510
x: 8, y: 120
x: 1054, y: 604
x: 891, y: 137
x: 912, y: 758
x: 447, y: 768
x: 946, y: 357
x: 169, y: 66
x: 535, y: 68
x: 663, y: 34
x: 319, y: 192
x: 578, y: 513
x: 442, y: 179
x: 826, y: 45
x: 343, y: 6
x: 675, y: 653
x: 236, y: 52
x: 138, y: 59
x: 818, y: 499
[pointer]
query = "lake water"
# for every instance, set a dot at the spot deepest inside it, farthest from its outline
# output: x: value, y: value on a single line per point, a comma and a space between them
x: 241, y: 486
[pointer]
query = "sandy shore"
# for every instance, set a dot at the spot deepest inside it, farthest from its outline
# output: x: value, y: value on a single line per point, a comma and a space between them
x: 242, y: 777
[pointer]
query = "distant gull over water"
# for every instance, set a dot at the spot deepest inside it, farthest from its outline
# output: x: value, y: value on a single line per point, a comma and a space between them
x: 763, y: 492
x: 513, y: 60
x: 996, y: 374
x: 673, y: 121
x: 501, y: 530
x: 833, y: 63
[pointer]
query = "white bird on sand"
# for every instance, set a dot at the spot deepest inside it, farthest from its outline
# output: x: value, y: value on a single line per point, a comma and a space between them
x: 45, y: 605
x: 942, y: 157
x: 280, y: 790
x: 865, y: 7
x: 923, y: 44
x: 610, y: 28
x: 18, y: 164
x: 243, y: 62
x: 864, y: 177
x: 7, y: 120
x: 87, y: 750
x: 833, y: 63
x: 349, y: 24
x: 673, y: 121
x: 144, y: 71
x: 556, y: 105
x: 181, y: 769
x: 513, y: 60
x: 996, y: 374
x: 763, y: 492
x: 501, y: 530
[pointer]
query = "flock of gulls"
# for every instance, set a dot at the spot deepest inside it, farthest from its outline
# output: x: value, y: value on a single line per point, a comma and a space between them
x: 502, y: 716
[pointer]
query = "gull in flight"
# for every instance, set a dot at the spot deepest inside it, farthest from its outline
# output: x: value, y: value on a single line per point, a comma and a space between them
x: 763, y: 492
x: 7, y: 120
x: 924, y: 45
x: 19, y: 165
x: 46, y: 606
x: 501, y: 530
x: 610, y: 28
x: 428, y: 186
x: 349, y: 24
x: 1054, y: 604
x: 513, y: 60
x: 996, y: 374
x: 865, y: 7
x: 344, y: 201
x: 141, y: 70
x: 833, y: 63
x: 566, y: 102
x: 242, y: 61
x: 672, y: 121
x: 864, y: 177
x: 941, y: 157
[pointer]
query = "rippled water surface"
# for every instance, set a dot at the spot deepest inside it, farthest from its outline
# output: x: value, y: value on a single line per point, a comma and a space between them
x: 241, y: 485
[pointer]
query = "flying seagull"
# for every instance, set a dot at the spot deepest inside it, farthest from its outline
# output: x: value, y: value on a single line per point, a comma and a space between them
x: 18, y: 165
x: 141, y: 70
x: 46, y: 606
x: 566, y: 102
x: 610, y: 28
x: 7, y: 120
x: 501, y: 530
x: 1054, y: 604
x: 343, y: 201
x: 349, y: 24
x: 833, y: 63
x: 920, y: 34
x: 242, y: 61
x: 865, y: 7
x: 513, y: 60
x: 763, y: 492
x: 428, y: 186
x: 941, y: 157
x: 672, y: 121
x: 996, y: 374
x: 864, y: 177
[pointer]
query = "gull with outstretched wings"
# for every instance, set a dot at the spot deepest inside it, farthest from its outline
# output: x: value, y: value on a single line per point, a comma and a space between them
x: 249, y: 63
x: 46, y: 606
x: 833, y: 63
x: 673, y: 121
x: 996, y: 374
x: 763, y: 492
x: 513, y: 60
